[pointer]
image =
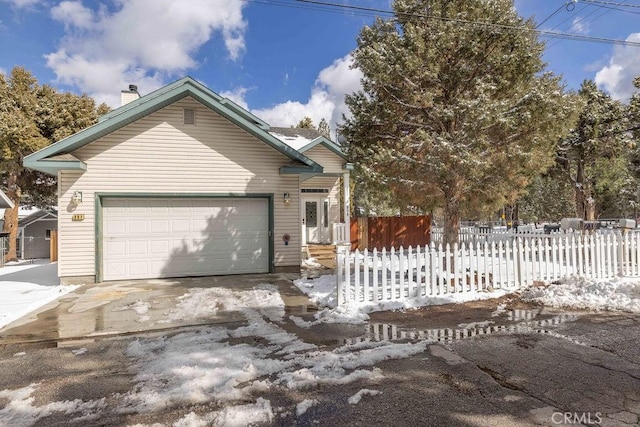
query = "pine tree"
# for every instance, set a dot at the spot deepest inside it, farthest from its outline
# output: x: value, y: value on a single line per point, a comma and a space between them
x: 453, y: 114
x: 305, y: 123
x: 549, y: 197
x: 634, y: 128
x: 32, y: 117
x: 598, y: 142
x: 324, y: 129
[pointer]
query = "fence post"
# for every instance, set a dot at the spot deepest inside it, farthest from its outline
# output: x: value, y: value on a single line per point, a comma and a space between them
x: 342, y: 279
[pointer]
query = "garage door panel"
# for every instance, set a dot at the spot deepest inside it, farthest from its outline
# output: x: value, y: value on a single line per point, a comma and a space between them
x: 148, y: 238
x: 159, y: 247
x: 113, y: 227
x: 139, y: 247
x: 112, y: 248
x: 138, y: 227
x: 160, y: 226
x: 116, y: 269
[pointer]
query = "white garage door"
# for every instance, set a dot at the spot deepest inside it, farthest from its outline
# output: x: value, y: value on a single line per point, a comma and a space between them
x: 176, y: 237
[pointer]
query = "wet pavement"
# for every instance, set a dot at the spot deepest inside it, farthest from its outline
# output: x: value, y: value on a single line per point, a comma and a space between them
x: 109, y: 308
x: 494, y: 362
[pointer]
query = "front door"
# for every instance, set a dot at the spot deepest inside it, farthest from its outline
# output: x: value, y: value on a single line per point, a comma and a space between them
x: 315, y: 221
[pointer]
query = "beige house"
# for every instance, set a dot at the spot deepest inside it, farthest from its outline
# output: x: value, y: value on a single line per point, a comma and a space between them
x: 183, y: 182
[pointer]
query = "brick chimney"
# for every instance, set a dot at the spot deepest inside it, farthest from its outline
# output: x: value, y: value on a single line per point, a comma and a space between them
x: 127, y: 96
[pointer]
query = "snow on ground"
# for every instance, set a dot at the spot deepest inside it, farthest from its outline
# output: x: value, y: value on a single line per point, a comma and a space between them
x: 303, y: 406
x: 27, y: 286
x: 230, y: 365
x: 356, y: 398
x: 618, y: 294
x: 19, y: 409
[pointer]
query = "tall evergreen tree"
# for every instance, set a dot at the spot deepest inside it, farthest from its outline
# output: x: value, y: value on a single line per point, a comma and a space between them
x: 599, y: 141
x: 32, y: 117
x: 634, y: 128
x: 324, y: 129
x: 549, y: 197
x: 456, y: 110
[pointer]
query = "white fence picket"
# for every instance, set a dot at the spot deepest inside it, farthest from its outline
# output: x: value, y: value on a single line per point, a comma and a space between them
x: 473, y: 266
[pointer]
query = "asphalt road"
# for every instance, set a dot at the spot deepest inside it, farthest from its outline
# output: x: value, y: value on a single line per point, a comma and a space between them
x: 536, y: 367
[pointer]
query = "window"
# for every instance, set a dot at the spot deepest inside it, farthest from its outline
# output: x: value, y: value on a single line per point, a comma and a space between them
x: 189, y: 116
x: 325, y: 214
x: 47, y: 234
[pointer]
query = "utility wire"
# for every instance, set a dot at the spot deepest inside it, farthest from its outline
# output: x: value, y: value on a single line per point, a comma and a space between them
x: 579, y: 21
x: 546, y: 33
x: 619, y: 9
x: 610, y: 3
x: 554, y: 13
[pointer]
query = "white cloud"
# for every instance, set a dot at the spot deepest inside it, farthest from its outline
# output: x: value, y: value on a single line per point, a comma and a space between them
x: 21, y: 4
x: 326, y: 99
x: 73, y: 14
x: 580, y: 26
x: 624, y: 65
x: 142, y: 42
x: 238, y: 96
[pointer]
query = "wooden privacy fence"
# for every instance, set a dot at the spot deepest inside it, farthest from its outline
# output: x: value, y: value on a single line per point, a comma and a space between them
x: 390, y: 232
x: 365, y: 277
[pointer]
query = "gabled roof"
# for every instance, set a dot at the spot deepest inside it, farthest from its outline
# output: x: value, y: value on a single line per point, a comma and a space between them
x: 5, y: 201
x: 303, y: 139
x: 42, y: 214
x: 55, y: 157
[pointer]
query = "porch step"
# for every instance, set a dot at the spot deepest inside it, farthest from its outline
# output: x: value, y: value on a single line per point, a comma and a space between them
x: 321, y: 252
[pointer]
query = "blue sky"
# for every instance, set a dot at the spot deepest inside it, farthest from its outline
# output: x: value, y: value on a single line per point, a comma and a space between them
x: 281, y: 59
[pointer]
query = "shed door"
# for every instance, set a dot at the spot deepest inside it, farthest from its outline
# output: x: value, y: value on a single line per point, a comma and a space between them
x: 177, y: 237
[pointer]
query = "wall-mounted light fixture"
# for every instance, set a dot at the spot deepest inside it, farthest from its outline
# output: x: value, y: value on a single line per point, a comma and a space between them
x: 77, y: 197
x: 287, y: 198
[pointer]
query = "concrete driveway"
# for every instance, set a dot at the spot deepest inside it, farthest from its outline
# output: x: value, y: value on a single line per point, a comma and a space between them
x: 128, y: 307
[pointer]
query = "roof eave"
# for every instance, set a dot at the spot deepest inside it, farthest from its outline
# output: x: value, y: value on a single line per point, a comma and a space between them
x: 51, y: 167
x: 5, y: 201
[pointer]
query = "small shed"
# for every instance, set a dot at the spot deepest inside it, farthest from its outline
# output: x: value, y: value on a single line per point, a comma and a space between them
x: 34, y: 234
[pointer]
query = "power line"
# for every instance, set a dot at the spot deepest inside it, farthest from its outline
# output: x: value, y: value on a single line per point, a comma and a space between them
x: 619, y: 9
x: 579, y: 21
x: 610, y: 3
x: 565, y: 5
x: 546, y: 33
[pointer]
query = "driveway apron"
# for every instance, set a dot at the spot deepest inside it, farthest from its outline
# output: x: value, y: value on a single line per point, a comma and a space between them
x: 134, y: 306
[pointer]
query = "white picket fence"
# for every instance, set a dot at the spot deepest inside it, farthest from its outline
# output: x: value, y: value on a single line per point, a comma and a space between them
x: 431, y: 271
x: 495, y: 234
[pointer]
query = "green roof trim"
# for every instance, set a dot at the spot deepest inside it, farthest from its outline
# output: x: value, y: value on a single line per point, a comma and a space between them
x: 326, y: 142
x: 154, y: 101
x: 51, y: 167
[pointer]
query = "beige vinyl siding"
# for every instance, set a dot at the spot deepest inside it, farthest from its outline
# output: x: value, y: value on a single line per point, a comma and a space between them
x: 333, y: 184
x: 159, y: 154
x: 330, y: 161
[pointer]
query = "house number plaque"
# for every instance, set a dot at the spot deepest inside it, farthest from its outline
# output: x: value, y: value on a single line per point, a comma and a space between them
x: 77, y: 217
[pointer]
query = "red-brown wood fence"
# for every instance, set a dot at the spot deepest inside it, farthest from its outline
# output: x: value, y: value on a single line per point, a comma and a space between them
x: 390, y: 232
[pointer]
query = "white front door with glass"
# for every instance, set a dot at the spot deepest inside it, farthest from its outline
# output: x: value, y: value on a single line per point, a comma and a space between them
x: 315, y: 220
